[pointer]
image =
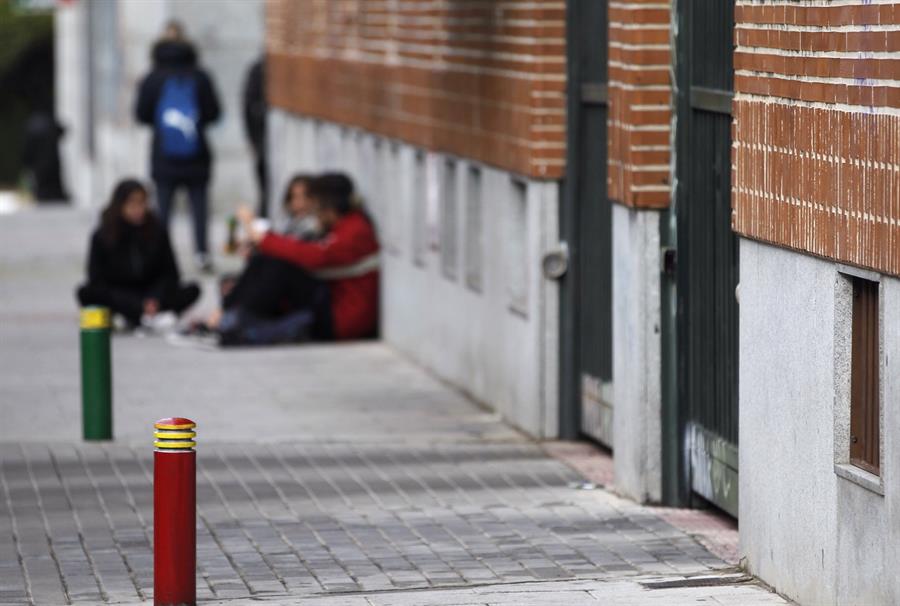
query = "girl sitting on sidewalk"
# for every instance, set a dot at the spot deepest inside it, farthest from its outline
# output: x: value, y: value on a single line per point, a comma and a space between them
x: 302, y: 224
x: 299, y: 290
x: 131, y: 268
x: 342, y: 268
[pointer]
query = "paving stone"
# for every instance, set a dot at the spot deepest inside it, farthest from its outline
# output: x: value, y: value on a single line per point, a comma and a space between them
x: 321, y: 470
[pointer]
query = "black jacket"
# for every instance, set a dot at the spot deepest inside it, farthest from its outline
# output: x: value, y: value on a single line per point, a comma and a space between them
x: 134, y: 262
x: 171, y: 58
x: 41, y: 156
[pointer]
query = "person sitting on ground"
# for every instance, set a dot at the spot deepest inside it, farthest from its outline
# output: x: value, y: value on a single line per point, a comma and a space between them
x: 321, y: 290
x: 131, y: 268
x: 346, y: 259
x: 302, y: 224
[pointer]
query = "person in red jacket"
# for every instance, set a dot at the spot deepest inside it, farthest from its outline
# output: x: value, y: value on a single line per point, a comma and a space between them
x: 345, y: 260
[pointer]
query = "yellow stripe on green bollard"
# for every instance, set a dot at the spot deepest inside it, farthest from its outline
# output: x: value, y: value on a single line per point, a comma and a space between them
x: 96, y: 374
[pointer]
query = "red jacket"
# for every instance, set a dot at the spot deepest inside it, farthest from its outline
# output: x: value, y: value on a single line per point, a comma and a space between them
x: 354, y: 300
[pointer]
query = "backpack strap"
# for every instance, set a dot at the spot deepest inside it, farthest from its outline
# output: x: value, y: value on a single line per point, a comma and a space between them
x: 362, y: 267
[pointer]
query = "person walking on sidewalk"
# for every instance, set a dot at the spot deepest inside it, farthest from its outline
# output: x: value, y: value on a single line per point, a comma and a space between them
x: 131, y: 267
x: 255, y: 110
x: 179, y: 101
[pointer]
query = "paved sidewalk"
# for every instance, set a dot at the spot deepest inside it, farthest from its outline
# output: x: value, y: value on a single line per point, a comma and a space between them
x: 327, y: 475
x: 638, y: 591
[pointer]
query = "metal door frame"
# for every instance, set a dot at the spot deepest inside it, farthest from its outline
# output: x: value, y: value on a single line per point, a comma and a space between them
x: 675, y: 479
x: 578, y: 93
x: 676, y: 421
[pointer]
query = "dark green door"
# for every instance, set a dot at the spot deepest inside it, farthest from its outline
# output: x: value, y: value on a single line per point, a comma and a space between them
x: 585, y: 222
x: 707, y: 267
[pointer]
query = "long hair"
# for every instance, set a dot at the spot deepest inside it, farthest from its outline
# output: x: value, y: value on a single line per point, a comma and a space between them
x: 337, y: 192
x: 334, y: 191
x: 298, y: 179
x: 111, y: 221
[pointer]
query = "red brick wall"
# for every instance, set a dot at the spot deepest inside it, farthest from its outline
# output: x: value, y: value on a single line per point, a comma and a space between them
x: 816, y: 155
x: 479, y: 79
x: 639, y: 102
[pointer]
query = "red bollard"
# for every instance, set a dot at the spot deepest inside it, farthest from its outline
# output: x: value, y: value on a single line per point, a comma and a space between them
x: 174, y: 513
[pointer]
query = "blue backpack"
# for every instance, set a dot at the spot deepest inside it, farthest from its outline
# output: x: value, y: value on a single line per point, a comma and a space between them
x: 177, y: 117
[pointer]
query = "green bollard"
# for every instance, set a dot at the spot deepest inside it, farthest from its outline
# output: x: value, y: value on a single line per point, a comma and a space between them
x: 96, y: 374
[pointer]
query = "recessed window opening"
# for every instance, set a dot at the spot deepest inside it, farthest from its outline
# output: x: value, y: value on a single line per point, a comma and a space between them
x: 474, y: 230
x: 865, y: 424
x: 448, y: 222
x: 517, y: 249
x: 392, y: 199
x: 376, y: 201
x: 419, y: 210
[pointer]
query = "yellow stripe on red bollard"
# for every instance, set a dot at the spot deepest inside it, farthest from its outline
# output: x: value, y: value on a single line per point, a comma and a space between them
x: 94, y: 317
x: 174, y: 434
x: 171, y: 445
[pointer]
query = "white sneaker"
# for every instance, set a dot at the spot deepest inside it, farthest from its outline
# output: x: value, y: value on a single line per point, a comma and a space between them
x: 120, y: 324
x: 204, y: 262
x: 162, y: 322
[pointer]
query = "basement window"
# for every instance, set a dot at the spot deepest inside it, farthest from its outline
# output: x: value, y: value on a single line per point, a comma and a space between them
x: 865, y: 415
x: 378, y: 204
x: 517, y: 249
x: 448, y: 229
x: 474, y: 231
x: 419, y: 204
x: 391, y: 200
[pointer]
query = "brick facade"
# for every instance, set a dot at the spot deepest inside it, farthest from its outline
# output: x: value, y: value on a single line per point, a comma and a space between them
x: 485, y: 80
x: 639, y: 102
x: 817, y: 129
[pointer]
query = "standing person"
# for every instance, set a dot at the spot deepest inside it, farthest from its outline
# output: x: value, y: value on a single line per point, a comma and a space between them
x: 41, y: 157
x: 131, y: 268
x: 179, y: 101
x: 255, y: 110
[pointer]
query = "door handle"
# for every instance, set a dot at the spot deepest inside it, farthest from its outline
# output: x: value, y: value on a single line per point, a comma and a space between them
x: 555, y: 263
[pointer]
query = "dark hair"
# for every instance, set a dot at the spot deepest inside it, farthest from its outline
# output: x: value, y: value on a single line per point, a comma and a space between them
x: 297, y: 179
x: 176, y: 27
x: 333, y: 191
x: 111, y: 220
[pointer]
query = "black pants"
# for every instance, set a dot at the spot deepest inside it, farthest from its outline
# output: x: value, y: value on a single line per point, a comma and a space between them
x: 129, y: 302
x: 262, y: 181
x: 165, y: 194
x: 269, y: 288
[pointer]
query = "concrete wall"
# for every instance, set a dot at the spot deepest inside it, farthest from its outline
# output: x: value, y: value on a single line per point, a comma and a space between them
x: 812, y: 526
x: 473, y: 308
x: 103, y: 49
x: 70, y: 25
x: 636, y: 395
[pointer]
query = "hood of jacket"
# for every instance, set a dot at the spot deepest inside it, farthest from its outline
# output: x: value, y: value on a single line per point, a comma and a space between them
x: 174, y: 54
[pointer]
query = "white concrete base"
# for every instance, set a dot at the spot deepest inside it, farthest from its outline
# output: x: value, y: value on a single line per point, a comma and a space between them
x: 809, y: 527
x: 636, y: 379
x: 475, y: 310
